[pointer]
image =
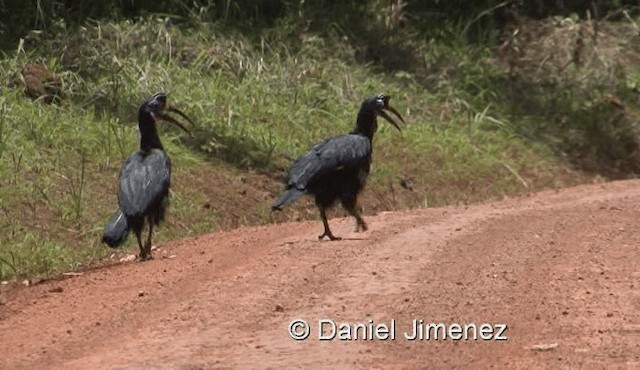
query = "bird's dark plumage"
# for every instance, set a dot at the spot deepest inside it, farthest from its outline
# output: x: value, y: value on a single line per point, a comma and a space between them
x: 117, y: 230
x: 332, y: 154
x: 337, y: 168
x: 144, y: 180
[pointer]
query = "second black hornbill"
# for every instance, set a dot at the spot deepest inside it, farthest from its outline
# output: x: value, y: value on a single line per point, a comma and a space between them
x: 337, y: 168
x: 144, y: 179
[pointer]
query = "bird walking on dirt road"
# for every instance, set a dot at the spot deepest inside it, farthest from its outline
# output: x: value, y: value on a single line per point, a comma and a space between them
x: 337, y: 168
x: 144, y: 180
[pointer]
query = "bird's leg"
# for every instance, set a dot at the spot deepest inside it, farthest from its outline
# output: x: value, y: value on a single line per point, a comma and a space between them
x: 353, y: 210
x: 360, y: 224
x: 143, y: 255
x: 148, y: 244
x: 327, y: 231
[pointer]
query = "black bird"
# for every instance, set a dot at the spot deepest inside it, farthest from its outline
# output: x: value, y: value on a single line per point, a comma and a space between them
x: 337, y: 168
x: 145, y: 179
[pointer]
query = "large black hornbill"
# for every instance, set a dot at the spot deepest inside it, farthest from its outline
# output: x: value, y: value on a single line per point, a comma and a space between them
x: 144, y: 180
x: 337, y: 168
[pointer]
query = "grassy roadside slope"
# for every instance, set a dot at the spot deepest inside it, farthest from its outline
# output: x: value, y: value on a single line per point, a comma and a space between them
x: 257, y: 104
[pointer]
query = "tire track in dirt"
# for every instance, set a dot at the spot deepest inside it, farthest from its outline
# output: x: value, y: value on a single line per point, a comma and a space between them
x: 559, y: 267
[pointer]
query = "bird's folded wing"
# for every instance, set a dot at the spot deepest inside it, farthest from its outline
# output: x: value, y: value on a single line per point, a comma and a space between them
x: 345, y: 151
x: 144, y: 182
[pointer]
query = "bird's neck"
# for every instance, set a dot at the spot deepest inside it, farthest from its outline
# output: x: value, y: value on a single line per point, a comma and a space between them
x: 149, y: 138
x: 366, y: 125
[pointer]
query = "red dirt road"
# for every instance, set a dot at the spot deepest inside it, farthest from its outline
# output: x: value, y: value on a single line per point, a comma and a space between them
x: 560, y: 269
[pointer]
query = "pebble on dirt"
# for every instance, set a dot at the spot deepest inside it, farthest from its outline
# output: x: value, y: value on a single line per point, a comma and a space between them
x: 544, y: 347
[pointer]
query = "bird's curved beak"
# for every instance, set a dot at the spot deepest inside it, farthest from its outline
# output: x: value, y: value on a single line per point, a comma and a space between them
x: 386, y: 116
x: 166, y: 117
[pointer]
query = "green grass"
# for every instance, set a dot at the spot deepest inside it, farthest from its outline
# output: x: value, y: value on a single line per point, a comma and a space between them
x: 258, y: 103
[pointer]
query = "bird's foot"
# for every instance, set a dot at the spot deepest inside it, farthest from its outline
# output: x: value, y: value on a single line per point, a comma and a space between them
x: 145, y: 257
x: 329, y: 235
x: 361, y: 226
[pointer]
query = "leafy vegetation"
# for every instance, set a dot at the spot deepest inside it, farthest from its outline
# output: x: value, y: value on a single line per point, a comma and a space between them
x: 494, y: 106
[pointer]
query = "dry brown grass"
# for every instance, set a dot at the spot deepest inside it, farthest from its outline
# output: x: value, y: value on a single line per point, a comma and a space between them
x: 554, y: 50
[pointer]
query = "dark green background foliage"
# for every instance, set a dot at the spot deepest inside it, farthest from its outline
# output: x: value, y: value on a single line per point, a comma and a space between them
x: 17, y: 17
x: 437, y: 42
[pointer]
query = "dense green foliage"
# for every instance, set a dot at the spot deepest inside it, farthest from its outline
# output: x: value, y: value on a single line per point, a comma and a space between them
x: 20, y: 17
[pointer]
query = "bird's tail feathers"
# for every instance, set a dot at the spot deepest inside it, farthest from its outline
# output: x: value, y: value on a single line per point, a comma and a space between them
x: 289, y: 196
x: 116, y: 231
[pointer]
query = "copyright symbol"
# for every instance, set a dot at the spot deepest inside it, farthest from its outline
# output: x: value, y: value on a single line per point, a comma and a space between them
x: 299, y: 329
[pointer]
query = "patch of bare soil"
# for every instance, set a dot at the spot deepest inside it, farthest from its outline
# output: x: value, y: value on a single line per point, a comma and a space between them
x: 558, y: 268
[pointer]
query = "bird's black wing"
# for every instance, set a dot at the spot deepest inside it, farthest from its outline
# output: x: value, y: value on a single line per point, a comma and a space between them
x: 144, y: 182
x: 332, y: 154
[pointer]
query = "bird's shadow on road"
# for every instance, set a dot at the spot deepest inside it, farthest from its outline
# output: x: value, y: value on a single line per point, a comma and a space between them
x: 342, y: 239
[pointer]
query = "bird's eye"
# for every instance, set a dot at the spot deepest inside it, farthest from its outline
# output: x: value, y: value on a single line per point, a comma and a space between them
x: 158, y: 101
x: 382, y: 100
x: 159, y: 96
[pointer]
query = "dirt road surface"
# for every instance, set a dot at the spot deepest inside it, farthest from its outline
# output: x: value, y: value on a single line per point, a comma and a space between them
x: 560, y: 268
